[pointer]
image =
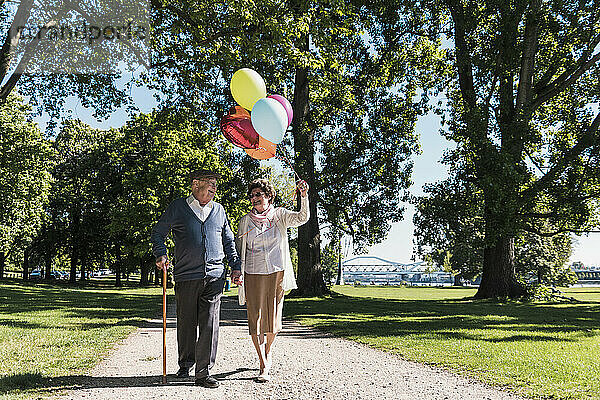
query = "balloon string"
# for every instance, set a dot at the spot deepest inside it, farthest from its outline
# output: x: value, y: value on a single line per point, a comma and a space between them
x: 283, y: 158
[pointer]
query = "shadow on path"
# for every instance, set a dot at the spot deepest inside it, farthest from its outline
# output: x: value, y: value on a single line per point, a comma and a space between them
x: 232, y: 314
x: 81, y: 382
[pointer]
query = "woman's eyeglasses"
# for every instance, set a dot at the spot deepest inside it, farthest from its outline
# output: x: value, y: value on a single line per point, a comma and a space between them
x: 257, y: 194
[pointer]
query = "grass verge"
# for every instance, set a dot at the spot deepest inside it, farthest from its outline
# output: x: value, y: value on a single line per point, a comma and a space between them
x: 49, y: 333
x: 541, y: 350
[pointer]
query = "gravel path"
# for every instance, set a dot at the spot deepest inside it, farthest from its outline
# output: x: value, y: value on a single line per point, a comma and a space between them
x: 307, y: 364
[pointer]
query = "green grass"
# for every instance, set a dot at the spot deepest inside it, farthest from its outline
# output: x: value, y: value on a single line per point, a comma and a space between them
x: 542, y: 350
x: 49, y: 333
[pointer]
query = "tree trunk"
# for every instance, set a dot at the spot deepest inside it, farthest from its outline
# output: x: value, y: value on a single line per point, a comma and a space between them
x: 13, y: 37
x: 118, y: 263
x: 458, y: 280
x: 74, y: 257
x: 48, y: 264
x: 498, y: 279
x: 26, y: 264
x: 340, y: 272
x: 74, y: 245
x: 157, y: 277
x: 2, y: 264
x: 310, y: 275
x: 143, y: 272
x: 118, y: 282
x: 83, y: 269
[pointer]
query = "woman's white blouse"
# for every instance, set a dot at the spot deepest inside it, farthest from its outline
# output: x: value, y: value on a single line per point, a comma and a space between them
x: 263, y: 250
x: 283, y: 219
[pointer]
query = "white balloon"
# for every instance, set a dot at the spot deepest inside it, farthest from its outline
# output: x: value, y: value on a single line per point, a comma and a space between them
x: 269, y: 119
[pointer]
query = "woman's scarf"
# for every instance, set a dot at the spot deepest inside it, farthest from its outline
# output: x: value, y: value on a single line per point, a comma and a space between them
x: 263, y: 217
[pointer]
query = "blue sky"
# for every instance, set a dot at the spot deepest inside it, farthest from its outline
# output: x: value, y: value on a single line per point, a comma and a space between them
x: 398, y: 246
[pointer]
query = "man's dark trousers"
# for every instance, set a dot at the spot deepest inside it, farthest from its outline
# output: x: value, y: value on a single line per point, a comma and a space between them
x: 198, y: 310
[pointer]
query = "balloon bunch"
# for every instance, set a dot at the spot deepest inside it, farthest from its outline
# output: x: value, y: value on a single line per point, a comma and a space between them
x: 259, y: 131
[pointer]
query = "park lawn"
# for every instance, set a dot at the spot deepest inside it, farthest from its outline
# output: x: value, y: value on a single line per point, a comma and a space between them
x: 541, y: 350
x: 51, y: 333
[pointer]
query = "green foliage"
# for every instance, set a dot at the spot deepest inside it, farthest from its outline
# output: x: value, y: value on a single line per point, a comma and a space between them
x: 284, y: 185
x: 449, y: 230
x: 155, y: 153
x: 545, y: 259
x: 25, y: 162
x: 544, y: 293
x: 79, y: 203
x: 448, y: 222
x: 48, y: 93
x: 294, y: 257
x: 330, y: 260
x: 110, y: 187
x: 48, y: 72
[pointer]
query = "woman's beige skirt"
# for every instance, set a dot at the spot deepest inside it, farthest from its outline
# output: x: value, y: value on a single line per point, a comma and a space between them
x: 264, y: 302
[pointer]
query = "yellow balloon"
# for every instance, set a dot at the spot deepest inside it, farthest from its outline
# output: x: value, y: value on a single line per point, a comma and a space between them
x: 247, y: 87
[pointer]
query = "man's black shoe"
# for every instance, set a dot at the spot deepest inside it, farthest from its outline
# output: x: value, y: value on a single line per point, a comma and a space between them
x: 183, y: 373
x: 207, y: 382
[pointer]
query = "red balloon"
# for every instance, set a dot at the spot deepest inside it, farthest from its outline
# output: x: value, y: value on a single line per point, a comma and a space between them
x: 237, y: 128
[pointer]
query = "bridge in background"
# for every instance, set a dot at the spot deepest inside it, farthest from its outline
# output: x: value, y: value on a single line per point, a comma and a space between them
x: 369, y: 270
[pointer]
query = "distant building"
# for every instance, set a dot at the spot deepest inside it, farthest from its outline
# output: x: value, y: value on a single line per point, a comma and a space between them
x: 369, y: 270
x: 586, y: 274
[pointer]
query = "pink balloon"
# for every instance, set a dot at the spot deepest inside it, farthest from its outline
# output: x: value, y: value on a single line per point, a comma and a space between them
x: 286, y: 104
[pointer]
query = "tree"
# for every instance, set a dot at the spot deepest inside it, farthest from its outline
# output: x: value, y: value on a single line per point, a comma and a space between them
x: 25, y: 180
x: 449, y: 231
x: 78, y: 202
x: 544, y: 259
x: 55, y: 49
x: 520, y: 110
x: 449, y: 227
x: 111, y: 186
x: 330, y: 254
x: 352, y: 83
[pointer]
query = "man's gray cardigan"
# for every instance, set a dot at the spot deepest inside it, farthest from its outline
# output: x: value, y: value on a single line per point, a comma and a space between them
x: 200, y: 247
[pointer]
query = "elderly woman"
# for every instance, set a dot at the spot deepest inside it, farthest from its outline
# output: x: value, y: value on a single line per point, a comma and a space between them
x: 267, y: 272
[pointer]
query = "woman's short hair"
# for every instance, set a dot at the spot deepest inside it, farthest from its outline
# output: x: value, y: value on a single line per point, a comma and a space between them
x: 263, y: 185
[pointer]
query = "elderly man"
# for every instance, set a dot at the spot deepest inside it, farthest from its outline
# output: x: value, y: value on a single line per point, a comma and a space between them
x: 202, y: 238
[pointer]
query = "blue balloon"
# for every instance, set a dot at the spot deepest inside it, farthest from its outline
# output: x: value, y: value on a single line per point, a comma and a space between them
x: 269, y: 119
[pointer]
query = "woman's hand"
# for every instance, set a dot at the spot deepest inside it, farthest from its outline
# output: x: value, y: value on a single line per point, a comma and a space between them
x: 303, y: 188
x: 236, y: 277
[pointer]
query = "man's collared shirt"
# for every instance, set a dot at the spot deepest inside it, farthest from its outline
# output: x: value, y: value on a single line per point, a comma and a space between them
x: 201, y: 212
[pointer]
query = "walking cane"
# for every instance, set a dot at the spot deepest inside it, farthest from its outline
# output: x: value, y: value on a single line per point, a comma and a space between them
x: 164, y: 379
